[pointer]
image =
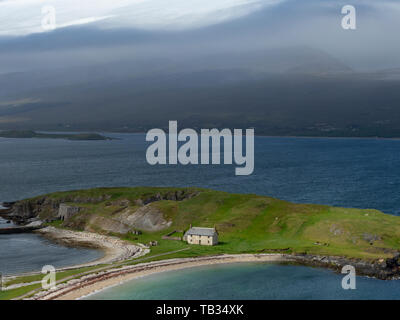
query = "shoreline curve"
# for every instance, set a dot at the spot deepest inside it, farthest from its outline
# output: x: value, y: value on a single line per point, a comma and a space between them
x: 92, y: 284
x: 114, y: 249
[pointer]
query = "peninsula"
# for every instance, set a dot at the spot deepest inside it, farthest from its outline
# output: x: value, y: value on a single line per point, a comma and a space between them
x: 68, y: 136
x: 250, y: 228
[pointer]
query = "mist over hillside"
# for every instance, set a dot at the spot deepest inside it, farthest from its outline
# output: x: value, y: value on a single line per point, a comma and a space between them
x: 268, y: 68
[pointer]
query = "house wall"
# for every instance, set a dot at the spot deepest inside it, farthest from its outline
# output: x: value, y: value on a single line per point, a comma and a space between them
x: 215, y: 239
x: 202, y: 240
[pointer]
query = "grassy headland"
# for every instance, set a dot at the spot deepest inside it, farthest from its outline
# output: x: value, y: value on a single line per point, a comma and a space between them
x: 246, y: 223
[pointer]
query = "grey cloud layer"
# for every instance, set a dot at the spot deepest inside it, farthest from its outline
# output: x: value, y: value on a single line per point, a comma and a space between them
x: 241, y: 28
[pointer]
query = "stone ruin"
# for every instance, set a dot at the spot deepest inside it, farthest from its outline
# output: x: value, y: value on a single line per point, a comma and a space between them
x: 65, y: 211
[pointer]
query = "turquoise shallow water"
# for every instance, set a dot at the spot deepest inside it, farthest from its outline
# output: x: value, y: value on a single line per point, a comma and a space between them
x: 249, y: 281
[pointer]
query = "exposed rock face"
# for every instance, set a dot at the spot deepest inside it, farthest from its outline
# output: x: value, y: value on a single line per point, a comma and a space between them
x: 125, y: 217
x: 24, y: 210
x: 109, y: 225
x: 174, y: 196
x: 7, y: 204
x: 45, y: 208
x: 148, y: 218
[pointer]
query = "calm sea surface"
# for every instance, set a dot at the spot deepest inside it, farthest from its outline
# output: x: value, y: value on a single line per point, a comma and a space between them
x: 363, y: 173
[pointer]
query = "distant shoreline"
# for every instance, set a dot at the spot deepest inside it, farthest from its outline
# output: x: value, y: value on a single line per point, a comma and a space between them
x: 28, y: 134
x: 90, y: 131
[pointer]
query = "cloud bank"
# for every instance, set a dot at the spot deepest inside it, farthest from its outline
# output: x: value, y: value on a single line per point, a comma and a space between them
x: 104, y: 31
x: 23, y: 17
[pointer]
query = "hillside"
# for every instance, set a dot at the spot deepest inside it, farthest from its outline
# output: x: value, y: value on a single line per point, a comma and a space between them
x: 274, y: 104
x: 246, y: 223
x: 297, y: 91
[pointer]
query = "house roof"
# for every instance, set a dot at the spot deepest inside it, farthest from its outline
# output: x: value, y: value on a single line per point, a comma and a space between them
x: 200, y: 231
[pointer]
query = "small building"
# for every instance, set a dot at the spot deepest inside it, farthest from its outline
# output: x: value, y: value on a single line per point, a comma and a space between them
x: 202, y: 236
x: 65, y: 211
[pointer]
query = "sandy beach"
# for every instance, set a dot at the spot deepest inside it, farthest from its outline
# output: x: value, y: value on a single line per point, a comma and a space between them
x: 90, y: 284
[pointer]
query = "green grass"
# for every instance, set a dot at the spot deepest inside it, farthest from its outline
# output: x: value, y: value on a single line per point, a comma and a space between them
x: 14, y: 293
x: 59, y: 276
x: 63, y: 275
x: 246, y: 223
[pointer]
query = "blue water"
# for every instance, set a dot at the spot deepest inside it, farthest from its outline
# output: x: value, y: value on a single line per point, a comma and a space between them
x: 363, y: 173
x: 248, y: 281
x: 30, y: 252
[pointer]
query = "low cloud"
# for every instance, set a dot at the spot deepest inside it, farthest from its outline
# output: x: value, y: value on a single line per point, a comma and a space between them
x: 127, y: 31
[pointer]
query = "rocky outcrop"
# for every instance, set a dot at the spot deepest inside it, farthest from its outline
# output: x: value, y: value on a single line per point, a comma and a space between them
x: 109, y: 225
x: 179, y: 195
x: 147, y: 218
x: 7, y: 204
x: 381, y: 269
x: 45, y: 208
x: 22, y: 229
x: 6, y: 208
x: 24, y: 210
x: 128, y: 214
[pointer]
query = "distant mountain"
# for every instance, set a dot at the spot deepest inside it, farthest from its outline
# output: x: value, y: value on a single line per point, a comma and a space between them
x: 286, y: 91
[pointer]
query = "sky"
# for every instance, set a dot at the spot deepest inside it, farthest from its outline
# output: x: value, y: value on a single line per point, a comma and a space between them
x: 103, y: 31
x: 22, y: 17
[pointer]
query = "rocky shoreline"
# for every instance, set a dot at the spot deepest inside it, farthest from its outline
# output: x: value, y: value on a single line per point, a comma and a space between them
x: 114, y: 248
x: 383, y: 269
